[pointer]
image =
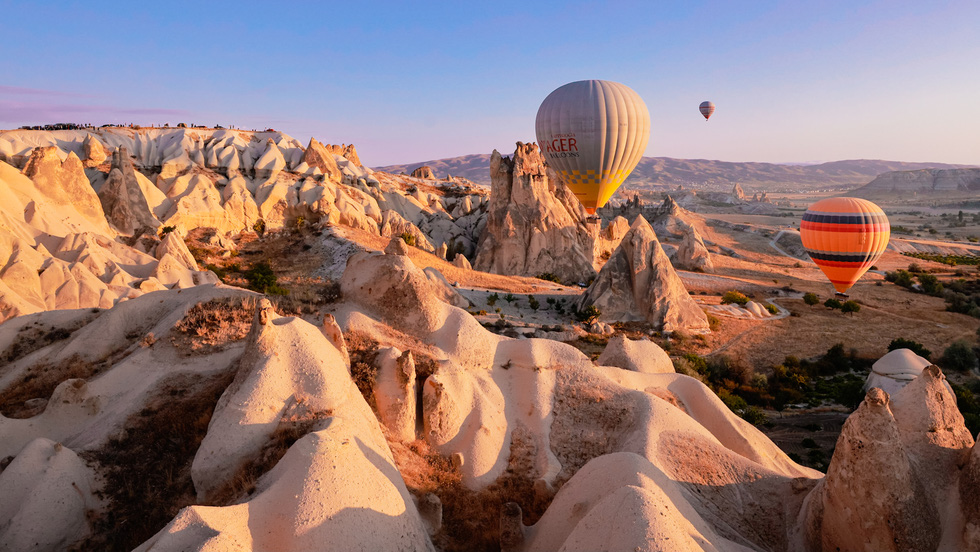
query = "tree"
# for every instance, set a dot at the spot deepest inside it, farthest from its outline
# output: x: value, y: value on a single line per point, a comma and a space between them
x: 930, y: 284
x: 734, y: 297
x: 532, y: 302
x: 588, y: 315
x: 833, y: 303
x: 810, y: 298
x: 850, y: 307
x: 959, y: 356
x: 914, y: 346
x: 492, y: 299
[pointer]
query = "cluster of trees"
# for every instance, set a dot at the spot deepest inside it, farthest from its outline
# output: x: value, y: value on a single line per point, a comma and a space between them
x: 951, y: 260
x: 961, y: 295
x: 794, y: 381
x: 850, y: 306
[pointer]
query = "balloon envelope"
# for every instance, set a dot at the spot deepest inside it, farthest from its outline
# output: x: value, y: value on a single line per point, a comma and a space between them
x: 844, y: 236
x: 593, y: 133
x: 706, y: 109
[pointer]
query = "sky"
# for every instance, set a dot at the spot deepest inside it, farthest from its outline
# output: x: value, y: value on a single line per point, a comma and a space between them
x: 793, y: 82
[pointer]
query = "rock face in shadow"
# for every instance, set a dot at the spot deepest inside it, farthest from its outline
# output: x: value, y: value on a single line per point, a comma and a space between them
x: 424, y: 172
x: 639, y: 283
x: 895, y: 475
x: 535, y: 225
x: 692, y: 254
x: 122, y: 200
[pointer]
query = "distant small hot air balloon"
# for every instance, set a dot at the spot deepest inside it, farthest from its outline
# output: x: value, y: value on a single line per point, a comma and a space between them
x: 706, y: 108
x: 844, y: 236
x: 593, y: 133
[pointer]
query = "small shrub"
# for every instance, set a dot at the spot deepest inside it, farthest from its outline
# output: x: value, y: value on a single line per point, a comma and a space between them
x: 850, y: 307
x: 166, y: 230
x: 259, y: 227
x: 510, y: 298
x: 810, y: 298
x: 533, y: 303
x: 833, y: 304
x: 772, y: 308
x: 492, y: 299
x: 549, y: 277
x: 408, y: 238
x: 262, y: 279
x: 734, y: 297
x: 714, y: 324
x: 959, y: 356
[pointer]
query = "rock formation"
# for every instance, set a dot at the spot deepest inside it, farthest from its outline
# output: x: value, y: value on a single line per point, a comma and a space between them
x: 316, y: 155
x: 896, y: 468
x: 424, y: 172
x: 738, y: 195
x: 534, y: 224
x: 639, y: 283
x: 122, y: 199
x: 692, y: 253
x: 639, y: 356
x: 609, y: 238
x: 920, y: 181
x: 92, y: 152
x: 348, y: 151
x: 895, y: 370
x: 65, y: 185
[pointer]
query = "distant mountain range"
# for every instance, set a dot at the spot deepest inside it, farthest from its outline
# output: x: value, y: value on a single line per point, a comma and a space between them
x: 666, y: 172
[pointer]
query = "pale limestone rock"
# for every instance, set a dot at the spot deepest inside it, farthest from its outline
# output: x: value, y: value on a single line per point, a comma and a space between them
x: 318, y: 156
x: 270, y: 162
x: 396, y: 246
x: 394, y: 393
x: 46, y: 481
x: 535, y: 225
x: 93, y: 152
x: 461, y: 261
x: 394, y: 225
x: 349, y: 152
x: 331, y: 330
x: 875, y: 495
x: 639, y: 283
x: 64, y: 183
x: 641, y: 355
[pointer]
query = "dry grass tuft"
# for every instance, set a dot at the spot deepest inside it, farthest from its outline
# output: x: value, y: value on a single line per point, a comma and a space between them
x: 363, y: 352
x: 40, y: 380
x: 211, y: 326
x: 147, y: 468
x: 36, y: 336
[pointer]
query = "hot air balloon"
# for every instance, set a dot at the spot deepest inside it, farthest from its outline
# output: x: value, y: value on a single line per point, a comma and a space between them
x: 844, y: 236
x: 706, y: 108
x: 593, y: 133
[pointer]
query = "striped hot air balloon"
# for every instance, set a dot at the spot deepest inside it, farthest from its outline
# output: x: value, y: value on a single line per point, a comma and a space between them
x: 844, y: 236
x: 706, y: 108
x: 593, y: 133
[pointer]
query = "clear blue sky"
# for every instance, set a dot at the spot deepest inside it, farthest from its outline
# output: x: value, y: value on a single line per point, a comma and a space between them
x: 407, y: 81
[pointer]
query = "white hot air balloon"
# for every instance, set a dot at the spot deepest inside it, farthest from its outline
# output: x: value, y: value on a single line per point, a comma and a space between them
x: 706, y: 108
x: 593, y: 133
